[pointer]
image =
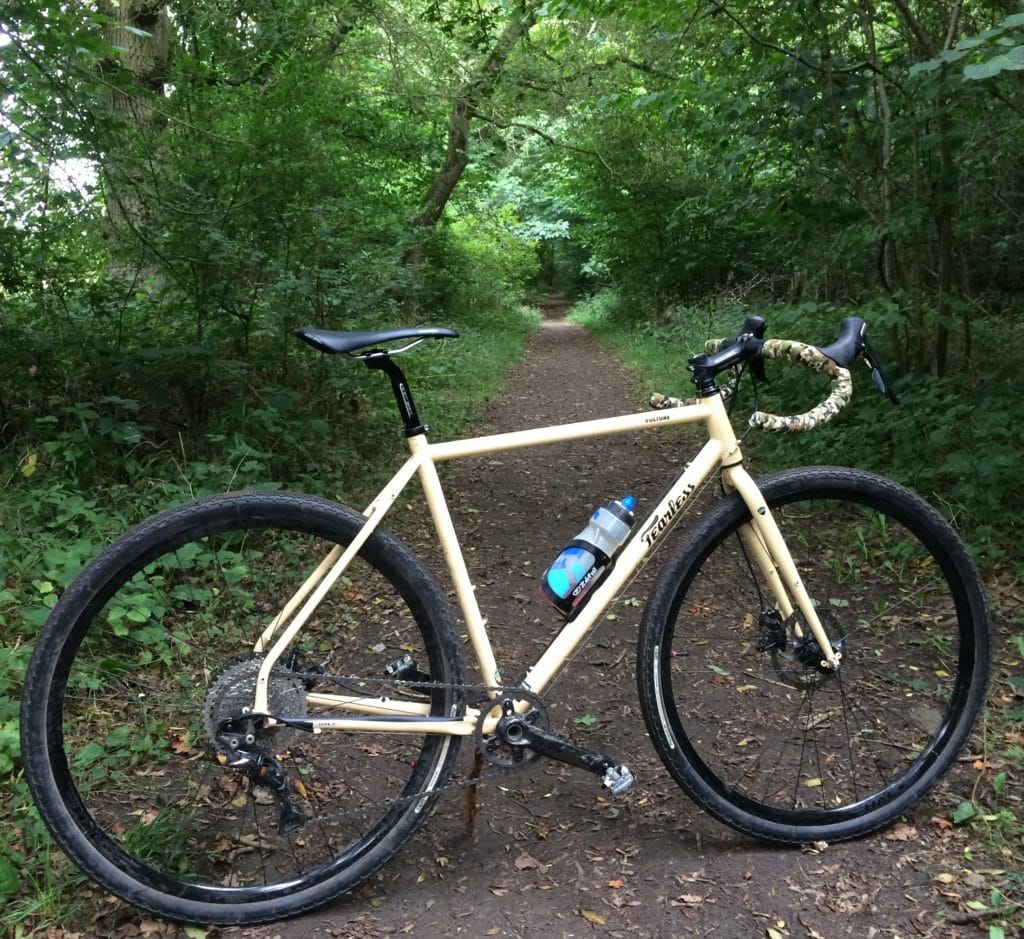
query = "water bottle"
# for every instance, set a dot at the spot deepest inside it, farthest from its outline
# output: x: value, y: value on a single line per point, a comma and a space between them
x: 588, y: 557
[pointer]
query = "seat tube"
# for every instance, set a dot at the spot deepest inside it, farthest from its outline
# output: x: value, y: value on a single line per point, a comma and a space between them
x: 464, y: 589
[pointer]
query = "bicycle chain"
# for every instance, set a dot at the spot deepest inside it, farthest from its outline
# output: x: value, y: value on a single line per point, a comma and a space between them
x: 484, y: 692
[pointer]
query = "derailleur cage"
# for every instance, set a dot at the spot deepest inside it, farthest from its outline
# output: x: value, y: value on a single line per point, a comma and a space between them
x: 234, y: 735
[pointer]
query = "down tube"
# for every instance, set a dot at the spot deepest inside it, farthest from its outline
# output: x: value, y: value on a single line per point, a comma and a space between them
x: 638, y: 547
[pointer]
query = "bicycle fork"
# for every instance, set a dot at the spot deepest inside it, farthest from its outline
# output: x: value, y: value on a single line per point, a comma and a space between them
x: 765, y: 545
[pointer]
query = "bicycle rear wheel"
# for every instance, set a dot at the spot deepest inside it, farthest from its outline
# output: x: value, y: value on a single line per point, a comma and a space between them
x: 737, y: 703
x: 150, y: 651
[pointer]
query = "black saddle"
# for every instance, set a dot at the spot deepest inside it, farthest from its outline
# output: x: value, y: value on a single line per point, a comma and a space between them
x: 336, y: 342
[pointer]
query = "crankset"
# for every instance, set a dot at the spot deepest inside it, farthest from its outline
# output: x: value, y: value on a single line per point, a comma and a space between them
x: 526, y: 736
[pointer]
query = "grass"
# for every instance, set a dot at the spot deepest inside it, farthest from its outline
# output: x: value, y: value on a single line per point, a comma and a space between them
x: 952, y: 442
x: 53, y: 524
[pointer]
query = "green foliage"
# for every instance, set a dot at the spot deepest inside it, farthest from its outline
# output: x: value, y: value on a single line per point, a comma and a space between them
x: 939, y: 441
x: 162, y: 231
x: 478, y: 262
x: 988, y: 54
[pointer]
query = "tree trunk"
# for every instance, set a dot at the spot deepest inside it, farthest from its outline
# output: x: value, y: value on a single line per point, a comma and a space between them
x: 948, y: 180
x: 949, y: 183
x: 888, y: 266
x: 142, y: 30
x: 468, y: 99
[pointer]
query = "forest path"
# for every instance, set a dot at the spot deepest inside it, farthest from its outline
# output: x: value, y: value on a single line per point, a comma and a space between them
x: 550, y: 856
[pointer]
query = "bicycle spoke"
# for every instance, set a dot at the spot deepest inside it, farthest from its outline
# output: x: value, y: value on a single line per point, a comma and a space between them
x: 758, y: 721
x: 174, y: 781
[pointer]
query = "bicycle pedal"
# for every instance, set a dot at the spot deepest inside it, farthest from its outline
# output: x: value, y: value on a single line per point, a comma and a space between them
x: 618, y: 779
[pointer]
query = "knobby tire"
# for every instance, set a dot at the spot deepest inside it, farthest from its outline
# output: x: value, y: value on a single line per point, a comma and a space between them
x: 151, y: 649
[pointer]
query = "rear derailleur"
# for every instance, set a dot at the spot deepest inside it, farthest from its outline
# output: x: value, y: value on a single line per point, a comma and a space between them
x: 237, y: 739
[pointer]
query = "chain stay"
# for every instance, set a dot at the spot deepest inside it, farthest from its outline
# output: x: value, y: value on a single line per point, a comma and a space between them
x: 477, y: 694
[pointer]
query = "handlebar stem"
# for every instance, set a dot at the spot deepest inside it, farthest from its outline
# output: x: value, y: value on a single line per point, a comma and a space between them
x: 706, y: 367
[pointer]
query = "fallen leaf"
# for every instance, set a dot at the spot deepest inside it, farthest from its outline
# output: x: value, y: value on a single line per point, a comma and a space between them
x: 591, y: 917
x: 812, y: 783
x: 945, y: 878
x: 180, y: 744
x: 902, y: 832
x: 526, y: 863
x: 615, y: 884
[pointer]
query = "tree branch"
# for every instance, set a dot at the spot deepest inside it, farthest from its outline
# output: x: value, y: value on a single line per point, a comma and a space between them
x: 790, y: 53
x: 914, y: 26
x: 954, y: 25
x: 545, y: 136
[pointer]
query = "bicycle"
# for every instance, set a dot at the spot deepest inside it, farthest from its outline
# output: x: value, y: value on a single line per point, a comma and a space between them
x: 243, y: 707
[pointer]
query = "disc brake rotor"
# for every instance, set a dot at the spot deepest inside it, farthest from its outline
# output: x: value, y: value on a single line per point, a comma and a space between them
x: 798, y: 663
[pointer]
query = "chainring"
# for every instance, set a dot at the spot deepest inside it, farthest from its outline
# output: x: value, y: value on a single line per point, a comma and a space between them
x: 491, y: 747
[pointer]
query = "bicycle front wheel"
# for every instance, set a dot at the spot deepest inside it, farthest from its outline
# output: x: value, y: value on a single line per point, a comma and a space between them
x: 737, y: 700
x: 152, y: 652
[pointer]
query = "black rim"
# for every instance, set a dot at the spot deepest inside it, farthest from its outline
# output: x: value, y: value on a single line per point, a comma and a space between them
x: 949, y: 730
x: 192, y: 528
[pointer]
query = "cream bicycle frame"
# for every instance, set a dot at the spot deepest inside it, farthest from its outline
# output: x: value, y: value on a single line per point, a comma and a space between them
x: 381, y: 714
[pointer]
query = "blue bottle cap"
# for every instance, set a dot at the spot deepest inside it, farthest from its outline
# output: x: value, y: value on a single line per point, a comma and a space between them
x: 628, y: 502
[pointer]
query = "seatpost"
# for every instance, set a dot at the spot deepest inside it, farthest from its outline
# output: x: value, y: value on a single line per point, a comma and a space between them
x: 381, y: 361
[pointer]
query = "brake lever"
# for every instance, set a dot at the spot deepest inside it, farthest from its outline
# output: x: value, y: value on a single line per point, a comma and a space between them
x: 879, y: 378
x: 756, y: 326
x: 853, y: 343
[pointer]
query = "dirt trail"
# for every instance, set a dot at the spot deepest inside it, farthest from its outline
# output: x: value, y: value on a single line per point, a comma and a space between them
x: 550, y: 856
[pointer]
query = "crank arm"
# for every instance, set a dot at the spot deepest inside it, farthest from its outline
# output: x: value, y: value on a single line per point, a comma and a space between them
x: 517, y: 732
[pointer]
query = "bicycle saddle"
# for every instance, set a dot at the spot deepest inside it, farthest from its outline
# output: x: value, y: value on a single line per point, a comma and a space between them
x: 335, y: 341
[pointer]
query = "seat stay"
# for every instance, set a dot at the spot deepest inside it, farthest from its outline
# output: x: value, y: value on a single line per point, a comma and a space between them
x: 316, y: 586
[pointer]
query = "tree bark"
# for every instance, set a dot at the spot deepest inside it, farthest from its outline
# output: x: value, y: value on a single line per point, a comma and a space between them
x: 468, y: 99
x: 142, y: 29
x: 949, y: 182
x: 889, y: 268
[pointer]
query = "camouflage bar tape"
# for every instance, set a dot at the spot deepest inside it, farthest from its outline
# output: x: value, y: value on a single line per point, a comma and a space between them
x: 798, y: 353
